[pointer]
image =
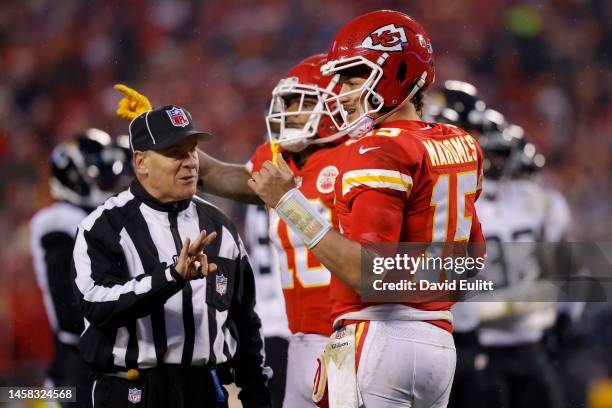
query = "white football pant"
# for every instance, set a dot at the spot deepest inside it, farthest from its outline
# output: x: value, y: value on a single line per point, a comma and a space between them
x: 406, y: 364
x: 304, y: 349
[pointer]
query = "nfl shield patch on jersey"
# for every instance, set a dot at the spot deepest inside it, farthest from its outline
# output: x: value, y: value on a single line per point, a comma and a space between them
x: 134, y: 395
x: 221, y: 286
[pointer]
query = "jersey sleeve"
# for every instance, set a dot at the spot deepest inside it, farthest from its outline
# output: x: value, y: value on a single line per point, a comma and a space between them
x: 57, y: 247
x: 262, y: 153
x: 376, y: 217
x: 52, y: 233
x: 107, y: 297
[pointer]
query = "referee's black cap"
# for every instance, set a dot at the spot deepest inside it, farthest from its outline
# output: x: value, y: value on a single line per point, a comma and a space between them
x: 162, y: 127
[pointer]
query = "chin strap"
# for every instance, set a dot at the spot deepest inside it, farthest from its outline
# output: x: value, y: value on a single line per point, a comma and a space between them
x: 331, y: 138
x: 413, y: 92
x: 420, y: 83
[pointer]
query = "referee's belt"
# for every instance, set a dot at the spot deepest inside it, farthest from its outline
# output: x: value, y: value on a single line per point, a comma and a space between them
x: 223, y: 371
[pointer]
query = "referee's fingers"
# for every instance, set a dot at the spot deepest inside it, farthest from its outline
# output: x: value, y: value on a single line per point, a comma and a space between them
x: 209, y: 239
x: 194, y: 249
x: 202, y: 242
x: 202, y: 265
x: 205, y: 267
x: 184, y: 250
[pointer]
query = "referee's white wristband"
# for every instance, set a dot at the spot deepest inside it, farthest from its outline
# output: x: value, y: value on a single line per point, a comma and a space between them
x: 302, y: 217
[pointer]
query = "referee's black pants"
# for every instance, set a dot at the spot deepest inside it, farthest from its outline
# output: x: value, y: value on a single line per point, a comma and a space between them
x: 162, y: 387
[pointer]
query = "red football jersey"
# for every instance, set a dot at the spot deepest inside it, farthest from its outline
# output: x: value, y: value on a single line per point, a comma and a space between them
x: 409, y: 181
x: 304, y: 279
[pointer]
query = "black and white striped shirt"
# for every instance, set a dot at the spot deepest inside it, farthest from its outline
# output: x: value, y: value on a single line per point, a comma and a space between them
x: 138, y: 316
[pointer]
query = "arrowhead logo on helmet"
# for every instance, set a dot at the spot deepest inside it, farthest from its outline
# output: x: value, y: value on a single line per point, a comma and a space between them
x: 387, y: 38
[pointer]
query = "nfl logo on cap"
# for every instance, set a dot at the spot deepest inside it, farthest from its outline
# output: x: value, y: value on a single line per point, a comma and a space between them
x: 178, y: 117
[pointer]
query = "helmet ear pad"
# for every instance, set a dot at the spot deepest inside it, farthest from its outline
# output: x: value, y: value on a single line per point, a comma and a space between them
x: 401, y: 77
x: 402, y: 69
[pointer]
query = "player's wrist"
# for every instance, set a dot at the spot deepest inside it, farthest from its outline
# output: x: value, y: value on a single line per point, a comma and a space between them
x: 285, y: 197
x: 297, y: 212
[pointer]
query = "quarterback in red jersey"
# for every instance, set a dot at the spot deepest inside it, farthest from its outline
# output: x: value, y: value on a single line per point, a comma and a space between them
x: 403, y: 180
x: 312, y: 146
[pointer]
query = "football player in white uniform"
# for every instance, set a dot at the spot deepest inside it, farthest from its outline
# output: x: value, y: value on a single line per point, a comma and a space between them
x: 270, y: 304
x: 500, y: 356
x: 513, y: 214
x: 85, y: 171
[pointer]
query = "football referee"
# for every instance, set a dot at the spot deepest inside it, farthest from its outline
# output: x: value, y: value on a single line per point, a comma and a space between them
x: 165, y: 285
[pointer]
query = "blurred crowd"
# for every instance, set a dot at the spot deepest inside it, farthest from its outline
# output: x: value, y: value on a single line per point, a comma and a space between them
x: 547, y: 65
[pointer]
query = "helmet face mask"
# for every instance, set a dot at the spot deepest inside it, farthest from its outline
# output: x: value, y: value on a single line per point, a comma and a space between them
x: 497, y: 164
x: 369, y: 101
x: 529, y: 161
x: 500, y: 142
x: 294, y: 126
x: 282, y: 118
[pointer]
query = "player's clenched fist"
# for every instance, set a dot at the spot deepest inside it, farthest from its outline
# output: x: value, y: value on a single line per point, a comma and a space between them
x: 272, y: 182
x: 132, y: 104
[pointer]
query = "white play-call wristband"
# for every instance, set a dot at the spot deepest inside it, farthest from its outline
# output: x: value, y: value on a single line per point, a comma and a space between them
x: 302, y: 217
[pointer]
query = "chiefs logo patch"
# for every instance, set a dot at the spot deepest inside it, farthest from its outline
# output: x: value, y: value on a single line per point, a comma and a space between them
x: 326, y: 179
x: 387, y: 38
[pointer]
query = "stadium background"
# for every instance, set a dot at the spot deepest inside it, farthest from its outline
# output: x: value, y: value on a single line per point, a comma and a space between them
x: 547, y: 65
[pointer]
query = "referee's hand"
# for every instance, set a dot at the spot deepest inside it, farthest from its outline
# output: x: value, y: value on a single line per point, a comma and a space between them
x: 191, y: 255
